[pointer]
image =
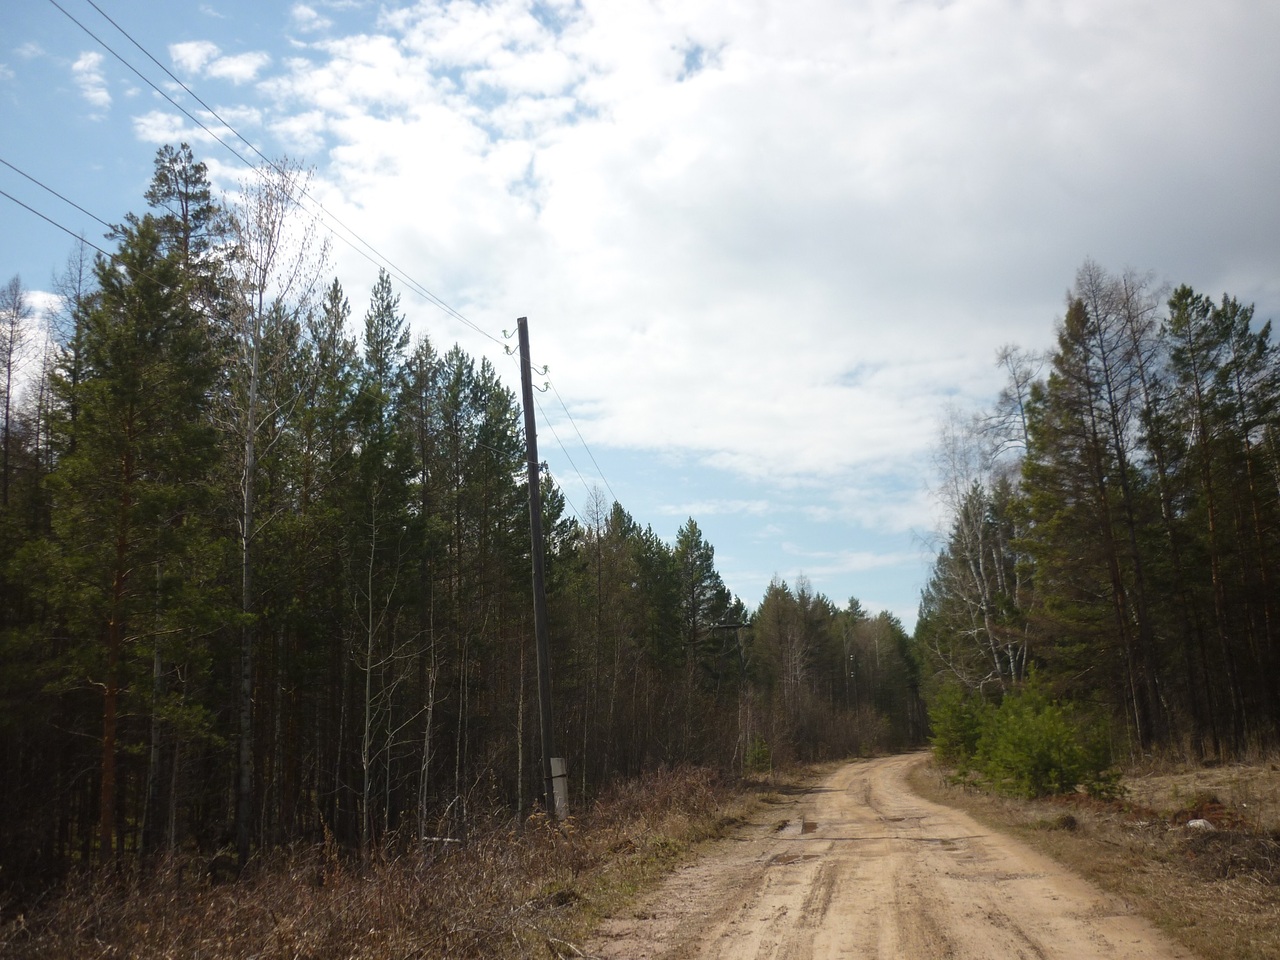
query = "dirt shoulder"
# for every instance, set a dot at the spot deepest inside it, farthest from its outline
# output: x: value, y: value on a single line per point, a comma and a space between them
x: 1214, y: 890
x: 858, y: 865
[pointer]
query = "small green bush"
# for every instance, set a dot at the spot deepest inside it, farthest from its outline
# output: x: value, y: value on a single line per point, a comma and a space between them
x: 957, y: 717
x: 759, y: 759
x: 1033, y: 747
x: 1105, y: 785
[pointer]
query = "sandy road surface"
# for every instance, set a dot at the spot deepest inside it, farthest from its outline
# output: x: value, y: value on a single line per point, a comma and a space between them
x: 860, y: 867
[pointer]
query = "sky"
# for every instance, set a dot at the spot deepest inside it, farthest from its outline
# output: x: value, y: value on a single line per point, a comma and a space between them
x: 763, y: 246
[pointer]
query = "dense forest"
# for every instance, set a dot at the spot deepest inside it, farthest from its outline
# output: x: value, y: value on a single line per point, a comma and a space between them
x: 1115, y: 525
x: 265, y: 572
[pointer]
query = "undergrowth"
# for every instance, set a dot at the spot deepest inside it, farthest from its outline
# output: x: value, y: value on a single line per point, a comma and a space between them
x: 1027, y: 746
x: 511, y: 890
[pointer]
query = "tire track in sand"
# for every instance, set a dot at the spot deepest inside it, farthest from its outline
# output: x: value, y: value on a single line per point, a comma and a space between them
x: 865, y: 869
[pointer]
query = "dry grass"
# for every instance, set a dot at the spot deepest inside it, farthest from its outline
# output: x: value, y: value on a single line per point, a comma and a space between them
x: 1216, y: 891
x: 534, y: 889
x: 526, y: 890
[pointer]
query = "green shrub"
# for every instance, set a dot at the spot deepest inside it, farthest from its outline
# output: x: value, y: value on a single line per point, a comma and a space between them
x: 957, y: 717
x: 759, y: 758
x: 1033, y: 747
x: 1105, y: 785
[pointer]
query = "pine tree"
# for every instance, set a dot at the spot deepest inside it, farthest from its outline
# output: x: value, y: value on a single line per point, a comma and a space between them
x: 129, y: 491
x: 1085, y: 512
x: 378, y: 544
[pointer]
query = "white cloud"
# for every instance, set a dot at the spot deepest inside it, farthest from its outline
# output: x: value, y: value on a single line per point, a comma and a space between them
x: 161, y: 127
x: 886, y: 503
x: 87, y: 71
x: 823, y: 564
x: 44, y: 304
x: 785, y: 261
x: 802, y: 206
x: 6, y: 72
x: 306, y: 18
x: 240, y: 68
x: 303, y: 133
x: 243, y: 118
x: 204, y: 58
x: 193, y: 55
x: 704, y: 508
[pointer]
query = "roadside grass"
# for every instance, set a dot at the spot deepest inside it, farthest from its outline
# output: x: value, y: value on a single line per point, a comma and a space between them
x: 1216, y: 891
x: 512, y: 890
x: 535, y: 889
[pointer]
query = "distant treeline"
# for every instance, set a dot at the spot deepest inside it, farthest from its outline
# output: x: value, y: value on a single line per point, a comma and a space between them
x: 265, y: 575
x: 1115, y: 524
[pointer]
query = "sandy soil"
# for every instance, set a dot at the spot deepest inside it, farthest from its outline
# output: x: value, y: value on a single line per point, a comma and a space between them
x: 859, y: 866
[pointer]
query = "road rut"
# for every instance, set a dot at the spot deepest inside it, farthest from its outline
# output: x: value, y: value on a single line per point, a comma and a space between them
x: 858, y: 867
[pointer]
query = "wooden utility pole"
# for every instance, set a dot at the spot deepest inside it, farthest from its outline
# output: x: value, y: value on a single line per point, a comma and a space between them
x: 552, y: 767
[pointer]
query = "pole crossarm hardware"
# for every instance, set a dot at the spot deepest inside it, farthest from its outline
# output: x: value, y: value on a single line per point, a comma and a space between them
x: 554, y: 777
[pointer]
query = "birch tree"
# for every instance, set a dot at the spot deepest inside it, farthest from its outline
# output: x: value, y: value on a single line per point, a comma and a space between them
x: 16, y: 337
x: 278, y: 258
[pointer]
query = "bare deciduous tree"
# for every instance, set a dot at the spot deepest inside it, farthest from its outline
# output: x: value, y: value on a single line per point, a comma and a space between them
x: 279, y: 256
x: 15, y: 348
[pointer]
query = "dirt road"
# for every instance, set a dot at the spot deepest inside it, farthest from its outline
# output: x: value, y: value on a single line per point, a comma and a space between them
x: 860, y: 867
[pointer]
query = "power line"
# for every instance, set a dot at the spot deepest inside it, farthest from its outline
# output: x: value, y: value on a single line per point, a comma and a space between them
x: 147, y: 80
x: 49, y: 189
x: 443, y: 428
x: 381, y: 259
x: 373, y: 255
x: 147, y: 53
x: 113, y: 257
x: 50, y: 220
x: 549, y: 384
x: 560, y: 443
x: 560, y: 486
x: 394, y: 268
x: 583, y: 440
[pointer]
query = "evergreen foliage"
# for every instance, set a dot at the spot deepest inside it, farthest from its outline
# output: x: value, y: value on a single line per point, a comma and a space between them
x: 957, y: 717
x: 1125, y: 547
x: 265, y: 578
x: 1033, y: 747
x: 1028, y: 745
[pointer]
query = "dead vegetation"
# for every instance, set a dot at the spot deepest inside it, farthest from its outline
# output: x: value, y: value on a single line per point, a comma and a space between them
x: 509, y: 890
x: 533, y: 889
x: 1216, y: 888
